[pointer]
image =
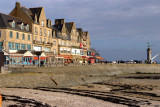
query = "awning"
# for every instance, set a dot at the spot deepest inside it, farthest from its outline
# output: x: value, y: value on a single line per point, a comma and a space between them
x: 99, y: 57
x: 35, y: 58
x: 42, y: 58
x: 66, y: 56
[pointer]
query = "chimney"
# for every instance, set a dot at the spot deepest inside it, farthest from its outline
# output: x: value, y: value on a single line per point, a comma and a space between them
x: 18, y: 4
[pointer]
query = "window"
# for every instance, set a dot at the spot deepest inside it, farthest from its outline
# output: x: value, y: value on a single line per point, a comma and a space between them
x: 1, y: 45
x: 49, y: 40
x: 29, y: 47
x: 40, y: 39
x: 11, y: 34
x: 59, y: 42
x: 28, y: 37
x: 65, y: 50
x: 61, y: 50
x: 0, y: 33
x: 13, y: 24
x: 42, y: 22
x: 44, y: 32
x: 62, y: 42
x: 22, y: 26
x: 41, y: 31
x: 27, y: 27
x: 78, y: 33
x: 37, y: 48
x: 23, y: 46
x: 47, y: 49
x: 11, y: 45
x: 36, y: 30
x: 23, y: 36
x: 74, y: 32
x: 54, y: 51
x: 69, y: 50
x: 48, y: 33
x: 17, y: 35
x: 54, y: 43
x: 45, y: 40
x: 17, y: 46
x: 35, y: 37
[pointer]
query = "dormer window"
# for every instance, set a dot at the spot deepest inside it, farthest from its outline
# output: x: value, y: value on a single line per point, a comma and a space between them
x: 13, y: 24
x: 27, y: 27
x: 42, y: 22
x: 22, y: 26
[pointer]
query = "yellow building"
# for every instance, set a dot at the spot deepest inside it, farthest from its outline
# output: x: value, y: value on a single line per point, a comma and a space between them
x: 43, y: 37
x: 14, y: 34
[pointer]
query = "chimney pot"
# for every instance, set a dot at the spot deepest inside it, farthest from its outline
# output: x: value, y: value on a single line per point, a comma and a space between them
x: 18, y: 4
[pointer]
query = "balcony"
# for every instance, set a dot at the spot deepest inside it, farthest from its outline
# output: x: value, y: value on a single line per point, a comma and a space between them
x: 42, y: 43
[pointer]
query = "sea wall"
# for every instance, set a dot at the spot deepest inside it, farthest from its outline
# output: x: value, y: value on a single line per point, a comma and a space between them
x: 55, y: 77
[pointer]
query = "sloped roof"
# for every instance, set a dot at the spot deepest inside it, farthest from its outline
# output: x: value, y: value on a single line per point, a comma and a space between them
x: 80, y: 30
x: 36, y: 11
x: 31, y: 12
x: 69, y: 26
x: 5, y: 19
x: 54, y: 28
x: 58, y: 27
x: 27, y: 12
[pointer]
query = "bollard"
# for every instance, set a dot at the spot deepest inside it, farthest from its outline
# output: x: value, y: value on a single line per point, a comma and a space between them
x: 0, y: 100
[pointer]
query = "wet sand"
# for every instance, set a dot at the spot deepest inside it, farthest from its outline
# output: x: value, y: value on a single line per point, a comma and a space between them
x: 133, y: 90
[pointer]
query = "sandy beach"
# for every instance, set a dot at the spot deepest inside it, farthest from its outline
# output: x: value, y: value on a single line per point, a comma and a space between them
x: 136, y: 90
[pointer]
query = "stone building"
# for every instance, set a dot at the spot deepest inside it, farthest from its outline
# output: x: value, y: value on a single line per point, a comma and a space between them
x: 28, y: 29
x: 15, y: 37
x: 43, y: 37
x: 14, y: 34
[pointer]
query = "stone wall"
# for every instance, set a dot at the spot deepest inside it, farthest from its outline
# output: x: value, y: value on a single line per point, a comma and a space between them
x: 55, y: 77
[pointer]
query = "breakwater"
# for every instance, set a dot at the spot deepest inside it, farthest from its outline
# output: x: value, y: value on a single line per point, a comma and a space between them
x: 55, y: 77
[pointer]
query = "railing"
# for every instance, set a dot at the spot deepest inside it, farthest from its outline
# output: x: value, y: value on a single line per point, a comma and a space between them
x: 44, y: 43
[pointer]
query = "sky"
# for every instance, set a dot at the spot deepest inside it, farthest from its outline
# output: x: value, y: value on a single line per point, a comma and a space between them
x: 119, y: 29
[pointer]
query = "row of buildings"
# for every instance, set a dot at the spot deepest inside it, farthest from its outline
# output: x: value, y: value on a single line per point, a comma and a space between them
x: 28, y: 37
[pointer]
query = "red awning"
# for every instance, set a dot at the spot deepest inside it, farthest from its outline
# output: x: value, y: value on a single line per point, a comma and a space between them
x: 35, y: 58
x: 42, y: 58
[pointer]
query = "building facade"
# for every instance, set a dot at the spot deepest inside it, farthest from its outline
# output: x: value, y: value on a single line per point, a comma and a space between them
x: 43, y: 38
x: 26, y: 31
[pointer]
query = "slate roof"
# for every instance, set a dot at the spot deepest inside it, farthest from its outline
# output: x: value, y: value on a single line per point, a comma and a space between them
x: 80, y: 30
x: 69, y: 26
x: 6, y: 19
x: 28, y: 12
x: 31, y: 12
x: 36, y: 11
x: 58, y: 27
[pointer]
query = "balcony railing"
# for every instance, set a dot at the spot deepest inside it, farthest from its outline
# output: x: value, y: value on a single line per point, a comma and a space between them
x: 42, y: 43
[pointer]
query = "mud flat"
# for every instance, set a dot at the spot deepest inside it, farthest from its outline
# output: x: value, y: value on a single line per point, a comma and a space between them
x: 110, y: 86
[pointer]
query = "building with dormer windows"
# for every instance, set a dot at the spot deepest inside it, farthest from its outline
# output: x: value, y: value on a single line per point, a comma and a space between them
x: 41, y: 27
x: 14, y: 34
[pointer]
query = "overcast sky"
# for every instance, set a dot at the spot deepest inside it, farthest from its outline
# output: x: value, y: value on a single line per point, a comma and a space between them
x: 119, y: 29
